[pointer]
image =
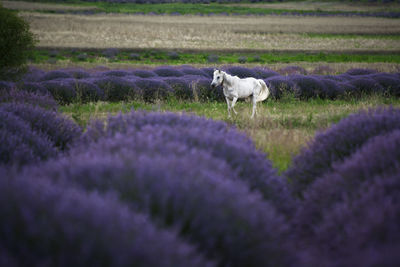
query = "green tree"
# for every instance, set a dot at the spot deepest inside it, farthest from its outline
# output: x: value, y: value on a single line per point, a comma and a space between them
x: 16, y: 43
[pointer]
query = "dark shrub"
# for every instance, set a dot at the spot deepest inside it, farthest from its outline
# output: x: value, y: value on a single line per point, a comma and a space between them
x: 153, y: 89
x: 337, y: 143
x: 59, y: 129
x: 181, y: 87
x: 241, y: 72
x: 20, y: 144
x: 213, y: 59
x: 57, y: 225
x: 173, y: 55
x: 143, y: 73
x: 16, y: 43
x: 242, y: 59
x: 110, y: 53
x: 292, y: 70
x: 62, y: 90
x: 167, y: 72
x: 55, y: 74
x: 118, y: 89
x: 356, y: 72
x: 134, y: 56
x: 307, y: 87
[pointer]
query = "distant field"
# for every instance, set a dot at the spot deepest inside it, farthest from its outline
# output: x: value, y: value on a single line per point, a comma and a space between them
x: 272, y: 33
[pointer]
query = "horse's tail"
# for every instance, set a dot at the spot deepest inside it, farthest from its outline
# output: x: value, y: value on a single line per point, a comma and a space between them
x: 264, y: 93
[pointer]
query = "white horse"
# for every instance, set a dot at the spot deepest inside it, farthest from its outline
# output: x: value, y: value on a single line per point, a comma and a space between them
x: 235, y: 88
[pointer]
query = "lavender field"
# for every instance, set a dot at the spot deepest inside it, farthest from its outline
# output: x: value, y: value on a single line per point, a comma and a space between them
x: 167, y: 189
x: 114, y: 153
x: 188, y: 83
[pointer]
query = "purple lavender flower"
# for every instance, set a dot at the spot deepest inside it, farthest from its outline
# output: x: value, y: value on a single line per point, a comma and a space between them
x: 153, y: 89
x: 187, y: 70
x: 48, y: 224
x: 20, y: 144
x: 181, y: 88
x: 356, y: 72
x: 308, y: 87
x: 167, y: 72
x: 35, y: 99
x: 264, y: 73
x: 117, y: 89
x: 242, y: 72
x: 59, y: 129
x: 62, y: 90
x: 143, y: 73
x: 280, y: 85
x: 54, y: 75
x: 377, y: 157
x: 337, y: 143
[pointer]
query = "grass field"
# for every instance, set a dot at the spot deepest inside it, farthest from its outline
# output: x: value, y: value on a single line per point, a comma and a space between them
x: 281, y: 128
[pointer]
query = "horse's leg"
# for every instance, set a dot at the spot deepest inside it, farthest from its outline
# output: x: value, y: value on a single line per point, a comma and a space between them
x: 229, y: 107
x: 254, y: 107
x: 233, y: 104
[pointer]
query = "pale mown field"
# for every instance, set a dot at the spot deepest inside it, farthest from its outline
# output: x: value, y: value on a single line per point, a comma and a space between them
x: 273, y: 33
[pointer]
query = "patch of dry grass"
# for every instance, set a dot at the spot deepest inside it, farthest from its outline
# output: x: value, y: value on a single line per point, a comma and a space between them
x: 214, y: 32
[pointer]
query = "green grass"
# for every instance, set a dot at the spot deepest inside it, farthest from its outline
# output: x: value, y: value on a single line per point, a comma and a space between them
x: 193, y: 9
x: 281, y: 129
x: 157, y: 57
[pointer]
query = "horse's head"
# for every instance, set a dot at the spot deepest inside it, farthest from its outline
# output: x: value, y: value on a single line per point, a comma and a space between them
x: 218, y: 78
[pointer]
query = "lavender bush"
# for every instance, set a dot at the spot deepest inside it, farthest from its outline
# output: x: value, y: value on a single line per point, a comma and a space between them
x: 20, y: 96
x: 180, y: 185
x: 120, y: 85
x: 34, y: 87
x: 54, y: 75
x: 46, y: 224
x: 167, y: 72
x: 219, y: 140
x: 59, y: 129
x: 117, y: 88
x: 20, y: 144
x: 153, y: 89
x: 337, y: 143
x: 363, y: 230
x: 377, y: 157
x: 143, y: 73
x: 62, y: 90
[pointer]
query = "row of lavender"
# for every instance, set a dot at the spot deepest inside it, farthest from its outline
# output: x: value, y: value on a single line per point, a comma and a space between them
x: 153, y: 189
x: 188, y: 83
